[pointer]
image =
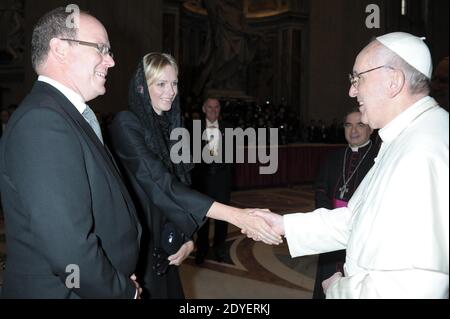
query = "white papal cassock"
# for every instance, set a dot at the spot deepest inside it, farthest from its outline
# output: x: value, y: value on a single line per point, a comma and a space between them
x: 396, y: 225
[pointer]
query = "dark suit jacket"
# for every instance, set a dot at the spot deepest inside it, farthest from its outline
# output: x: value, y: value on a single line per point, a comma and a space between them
x: 214, y: 179
x: 64, y: 203
x: 159, y: 196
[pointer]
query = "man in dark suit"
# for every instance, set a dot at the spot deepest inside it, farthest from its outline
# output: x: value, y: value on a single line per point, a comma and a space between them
x: 71, y: 227
x: 213, y: 179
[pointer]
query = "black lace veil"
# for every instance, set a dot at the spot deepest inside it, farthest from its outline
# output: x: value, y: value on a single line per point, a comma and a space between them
x: 157, y: 126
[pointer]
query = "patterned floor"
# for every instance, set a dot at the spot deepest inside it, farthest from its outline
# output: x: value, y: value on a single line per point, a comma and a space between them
x: 256, y: 270
x: 251, y: 270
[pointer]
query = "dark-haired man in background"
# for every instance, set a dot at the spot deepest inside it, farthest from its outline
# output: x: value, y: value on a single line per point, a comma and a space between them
x: 338, y: 179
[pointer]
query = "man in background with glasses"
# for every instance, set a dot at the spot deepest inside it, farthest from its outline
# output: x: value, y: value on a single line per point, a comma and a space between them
x: 71, y: 226
x: 396, y: 226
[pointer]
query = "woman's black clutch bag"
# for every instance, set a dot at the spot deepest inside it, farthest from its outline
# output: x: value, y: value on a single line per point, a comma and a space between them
x: 171, y: 238
x: 171, y: 241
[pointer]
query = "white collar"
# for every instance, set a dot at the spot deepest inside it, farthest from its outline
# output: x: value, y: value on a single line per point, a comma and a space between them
x: 356, y: 148
x: 215, y: 123
x: 70, y: 94
x: 402, y: 121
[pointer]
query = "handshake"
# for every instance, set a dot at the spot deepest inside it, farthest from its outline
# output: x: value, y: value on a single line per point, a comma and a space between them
x: 262, y: 225
x: 258, y: 224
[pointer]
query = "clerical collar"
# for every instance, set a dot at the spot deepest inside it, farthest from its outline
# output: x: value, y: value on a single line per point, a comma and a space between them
x: 209, y: 124
x: 356, y: 148
x: 404, y: 119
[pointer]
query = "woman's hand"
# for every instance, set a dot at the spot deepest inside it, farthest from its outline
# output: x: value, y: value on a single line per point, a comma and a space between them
x: 181, y: 254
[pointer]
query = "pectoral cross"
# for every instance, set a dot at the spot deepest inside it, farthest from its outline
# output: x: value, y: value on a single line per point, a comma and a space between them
x: 343, y: 190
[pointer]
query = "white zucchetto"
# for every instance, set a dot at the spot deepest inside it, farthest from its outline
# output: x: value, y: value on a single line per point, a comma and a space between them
x: 410, y: 48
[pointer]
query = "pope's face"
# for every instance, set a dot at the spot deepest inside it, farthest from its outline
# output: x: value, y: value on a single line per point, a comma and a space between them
x: 371, y: 88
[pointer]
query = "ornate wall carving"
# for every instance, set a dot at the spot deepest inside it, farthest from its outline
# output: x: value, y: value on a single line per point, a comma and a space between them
x: 12, y: 44
x: 272, y: 68
x: 12, y: 37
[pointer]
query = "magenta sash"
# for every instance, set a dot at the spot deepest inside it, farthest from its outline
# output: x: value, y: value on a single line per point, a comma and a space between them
x: 337, y: 203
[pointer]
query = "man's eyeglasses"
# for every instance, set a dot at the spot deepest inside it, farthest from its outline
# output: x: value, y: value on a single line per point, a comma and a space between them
x: 102, y: 48
x: 354, y: 77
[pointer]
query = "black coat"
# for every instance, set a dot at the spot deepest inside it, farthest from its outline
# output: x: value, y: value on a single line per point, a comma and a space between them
x: 329, y: 179
x: 64, y: 203
x: 327, y: 186
x: 160, y: 197
x: 214, y: 179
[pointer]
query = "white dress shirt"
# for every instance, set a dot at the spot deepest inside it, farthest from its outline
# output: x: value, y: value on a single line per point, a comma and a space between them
x: 78, y: 102
x: 213, y: 136
x: 70, y: 94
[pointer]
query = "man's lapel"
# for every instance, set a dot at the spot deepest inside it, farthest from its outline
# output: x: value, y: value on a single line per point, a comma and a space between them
x: 70, y: 111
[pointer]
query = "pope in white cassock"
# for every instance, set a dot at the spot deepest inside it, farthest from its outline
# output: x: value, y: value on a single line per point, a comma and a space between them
x: 396, y: 225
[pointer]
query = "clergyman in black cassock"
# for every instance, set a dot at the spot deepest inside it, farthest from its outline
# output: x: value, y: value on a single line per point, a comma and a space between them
x: 337, y: 180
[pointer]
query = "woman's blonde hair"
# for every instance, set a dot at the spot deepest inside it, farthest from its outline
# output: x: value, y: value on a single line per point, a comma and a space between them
x: 154, y: 63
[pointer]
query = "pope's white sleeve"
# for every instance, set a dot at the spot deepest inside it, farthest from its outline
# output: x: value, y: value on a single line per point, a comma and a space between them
x: 317, y: 232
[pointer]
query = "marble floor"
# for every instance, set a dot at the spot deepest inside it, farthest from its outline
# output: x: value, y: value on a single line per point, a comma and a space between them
x: 252, y: 270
